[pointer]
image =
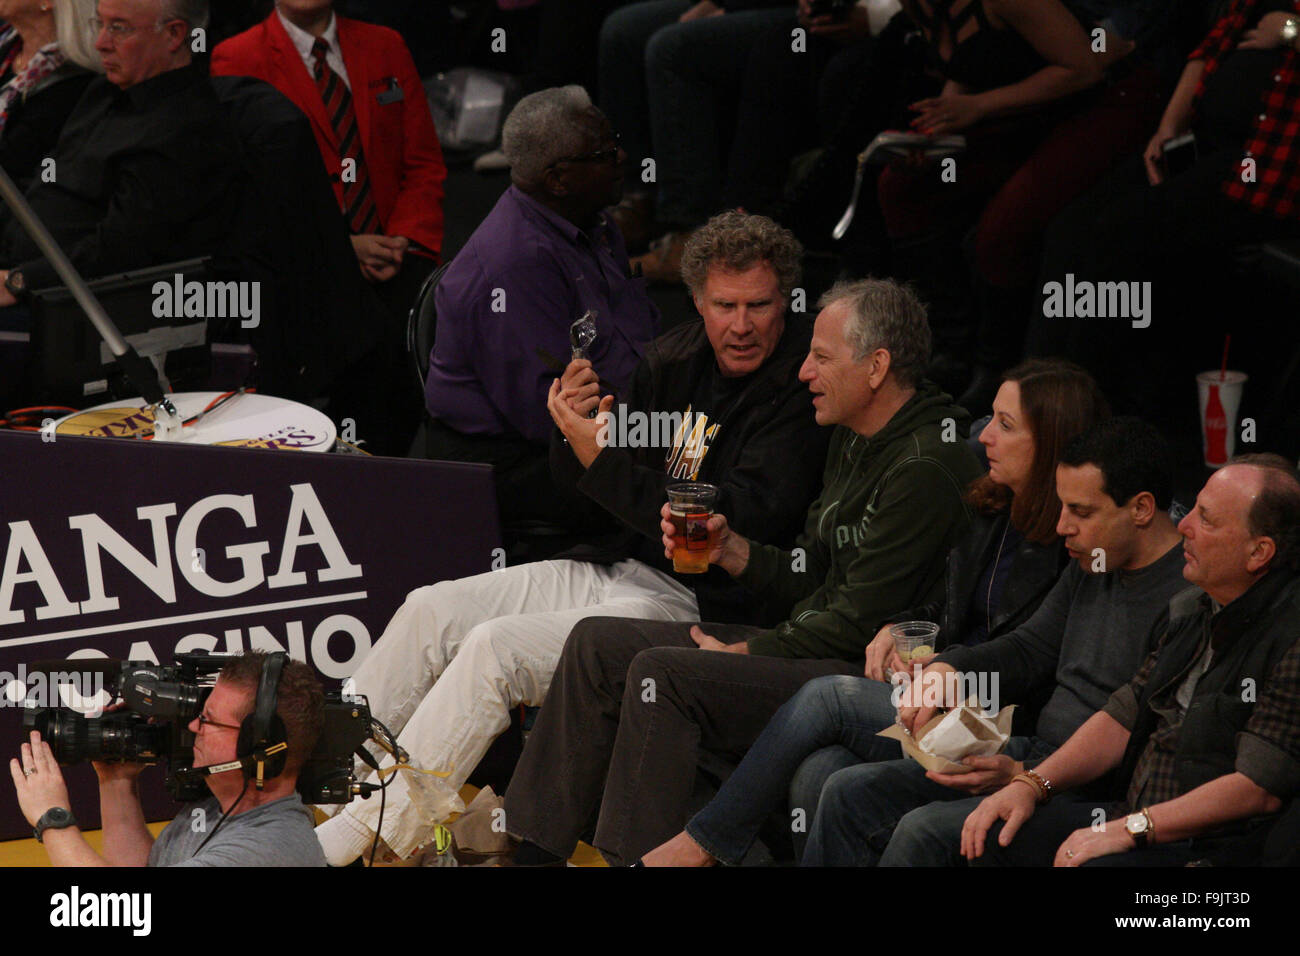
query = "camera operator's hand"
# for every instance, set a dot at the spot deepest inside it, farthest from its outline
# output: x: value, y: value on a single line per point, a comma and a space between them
x: 38, y: 780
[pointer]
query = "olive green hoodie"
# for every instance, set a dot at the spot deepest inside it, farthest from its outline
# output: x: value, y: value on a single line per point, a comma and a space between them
x: 875, y: 541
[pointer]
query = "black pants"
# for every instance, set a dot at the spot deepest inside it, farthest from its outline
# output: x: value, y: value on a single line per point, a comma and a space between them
x: 381, y: 393
x: 631, y: 706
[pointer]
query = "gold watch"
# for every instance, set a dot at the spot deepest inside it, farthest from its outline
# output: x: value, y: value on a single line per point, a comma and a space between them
x: 1140, y: 827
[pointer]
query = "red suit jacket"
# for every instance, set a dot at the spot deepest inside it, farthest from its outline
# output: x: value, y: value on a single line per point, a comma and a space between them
x: 398, y: 141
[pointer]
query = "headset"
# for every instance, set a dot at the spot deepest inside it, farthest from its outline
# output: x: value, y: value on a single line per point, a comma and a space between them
x: 263, y: 745
x: 262, y: 748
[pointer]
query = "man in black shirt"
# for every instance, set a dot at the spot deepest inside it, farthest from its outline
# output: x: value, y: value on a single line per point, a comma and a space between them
x: 145, y: 170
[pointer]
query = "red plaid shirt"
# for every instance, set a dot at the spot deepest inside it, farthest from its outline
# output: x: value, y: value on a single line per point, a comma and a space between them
x: 1272, y: 143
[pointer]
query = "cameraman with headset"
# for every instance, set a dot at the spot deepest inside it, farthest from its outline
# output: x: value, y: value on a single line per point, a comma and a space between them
x: 257, y: 728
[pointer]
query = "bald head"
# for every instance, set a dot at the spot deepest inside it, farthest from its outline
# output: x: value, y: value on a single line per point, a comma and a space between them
x: 1246, y: 522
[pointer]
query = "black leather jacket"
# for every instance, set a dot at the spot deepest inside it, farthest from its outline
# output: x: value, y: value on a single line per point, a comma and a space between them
x: 1034, y: 570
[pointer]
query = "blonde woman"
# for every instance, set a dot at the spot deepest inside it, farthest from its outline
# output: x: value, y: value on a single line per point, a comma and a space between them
x: 47, y: 55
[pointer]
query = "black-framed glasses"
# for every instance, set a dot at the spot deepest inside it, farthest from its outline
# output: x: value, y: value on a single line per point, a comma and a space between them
x: 206, y: 721
x: 607, y: 155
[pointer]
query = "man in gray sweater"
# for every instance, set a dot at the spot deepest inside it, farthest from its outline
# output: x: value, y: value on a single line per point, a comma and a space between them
x: 1085, y: 640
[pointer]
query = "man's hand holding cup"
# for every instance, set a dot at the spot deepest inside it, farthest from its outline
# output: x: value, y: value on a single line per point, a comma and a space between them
x: 728, y: 550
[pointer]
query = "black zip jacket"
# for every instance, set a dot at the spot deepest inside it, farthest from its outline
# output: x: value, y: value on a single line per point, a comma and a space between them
x: 766, y: 457
x: 1034, y: 571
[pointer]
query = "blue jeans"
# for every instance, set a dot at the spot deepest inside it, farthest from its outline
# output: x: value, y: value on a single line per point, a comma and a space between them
x: 670, y: 89
x: 861, y: 807
x: 833, y: 718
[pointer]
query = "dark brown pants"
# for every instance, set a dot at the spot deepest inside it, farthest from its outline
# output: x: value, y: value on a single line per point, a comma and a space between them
x: 631, y: 706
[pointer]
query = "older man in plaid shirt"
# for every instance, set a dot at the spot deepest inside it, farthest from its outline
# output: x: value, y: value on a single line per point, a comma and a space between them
x: 1205, y: 738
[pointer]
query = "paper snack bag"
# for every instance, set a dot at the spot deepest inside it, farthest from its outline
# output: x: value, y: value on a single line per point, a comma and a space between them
x: 962, y: 732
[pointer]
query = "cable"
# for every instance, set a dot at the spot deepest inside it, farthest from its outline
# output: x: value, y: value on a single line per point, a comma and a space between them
x: 223, y: 819
x: 374, y: 846
x: 33, y: 417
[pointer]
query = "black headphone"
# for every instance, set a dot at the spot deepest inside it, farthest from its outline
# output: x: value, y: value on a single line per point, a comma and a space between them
x: 263, y: 746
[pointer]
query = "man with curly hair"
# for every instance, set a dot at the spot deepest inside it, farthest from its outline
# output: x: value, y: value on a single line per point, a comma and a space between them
x: 716, y: 401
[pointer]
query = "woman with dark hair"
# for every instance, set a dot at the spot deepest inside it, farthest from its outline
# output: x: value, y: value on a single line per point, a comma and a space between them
x: 47, y: 52
x: 996, y: 578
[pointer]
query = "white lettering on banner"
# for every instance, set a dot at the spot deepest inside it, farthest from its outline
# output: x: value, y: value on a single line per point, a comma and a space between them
x: 308, y: 524
x: 24, y: 543
x: 320, y: 642
x: 305, y: 504
x: 97, y: 535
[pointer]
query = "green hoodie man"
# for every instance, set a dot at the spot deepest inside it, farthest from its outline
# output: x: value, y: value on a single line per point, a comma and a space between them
x: 877, y: 538
x: 892, y: 502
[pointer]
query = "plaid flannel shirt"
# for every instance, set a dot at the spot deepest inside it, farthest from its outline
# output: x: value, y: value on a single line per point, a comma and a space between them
x: 1275, y: 720
x: 1273, y: 140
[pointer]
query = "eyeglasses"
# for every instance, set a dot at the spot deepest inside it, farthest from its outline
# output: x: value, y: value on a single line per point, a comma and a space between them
x: 607, y: 155
x: 120, y: 31
x: 206, y: 721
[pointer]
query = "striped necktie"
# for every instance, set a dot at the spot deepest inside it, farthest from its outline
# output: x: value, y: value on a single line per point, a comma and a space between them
x: 358, y: 203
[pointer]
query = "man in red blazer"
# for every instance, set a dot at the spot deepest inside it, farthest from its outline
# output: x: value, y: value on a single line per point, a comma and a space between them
x: 358, y: 85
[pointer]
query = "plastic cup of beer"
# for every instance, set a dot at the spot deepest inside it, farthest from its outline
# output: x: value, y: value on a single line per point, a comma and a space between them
x: 913, y: 639
x: 691, y: 504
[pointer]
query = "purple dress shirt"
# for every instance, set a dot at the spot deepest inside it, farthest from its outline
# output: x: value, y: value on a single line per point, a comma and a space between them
x: 504, y: 310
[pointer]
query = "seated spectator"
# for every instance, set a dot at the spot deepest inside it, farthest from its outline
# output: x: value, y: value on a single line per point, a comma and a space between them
x: 1114, y: 486
x: 1104, y: 125
x: 1007, y: 71
x: 1146, y: 223
x: 358, y: 86
x: 873, y: 544
x: 147, y: 166
x: 47, y: 53
x: 458, y: 655
x: 669, y: 72
x: 1203, y: 739
x: 542, y: 258
x: 1116, y: 476
x: 844, y: 71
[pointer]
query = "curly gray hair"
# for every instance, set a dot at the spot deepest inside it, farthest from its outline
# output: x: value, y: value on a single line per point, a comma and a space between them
x: 543, y: 128
x: 736, y: 241
x: 885, y: 314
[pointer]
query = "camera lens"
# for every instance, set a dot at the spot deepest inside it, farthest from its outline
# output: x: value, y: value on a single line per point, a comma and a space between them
x: 112, y: 738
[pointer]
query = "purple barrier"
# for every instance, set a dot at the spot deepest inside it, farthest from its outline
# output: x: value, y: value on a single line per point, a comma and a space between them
x: 132, y: 550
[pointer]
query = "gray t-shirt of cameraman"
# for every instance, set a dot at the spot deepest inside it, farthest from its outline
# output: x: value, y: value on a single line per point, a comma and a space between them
x: 280, y: 833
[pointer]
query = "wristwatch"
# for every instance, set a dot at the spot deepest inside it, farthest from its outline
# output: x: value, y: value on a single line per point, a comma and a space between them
x: 55, y: 818
x: 1140, y: 827
x: 1290, y: 30
x: 15, y: 283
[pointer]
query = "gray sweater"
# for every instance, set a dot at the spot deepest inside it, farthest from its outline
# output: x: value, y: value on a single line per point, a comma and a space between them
x: 1090, y: 635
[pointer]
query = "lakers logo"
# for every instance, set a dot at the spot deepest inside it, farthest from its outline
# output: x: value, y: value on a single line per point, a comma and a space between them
x: 126, y: 422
